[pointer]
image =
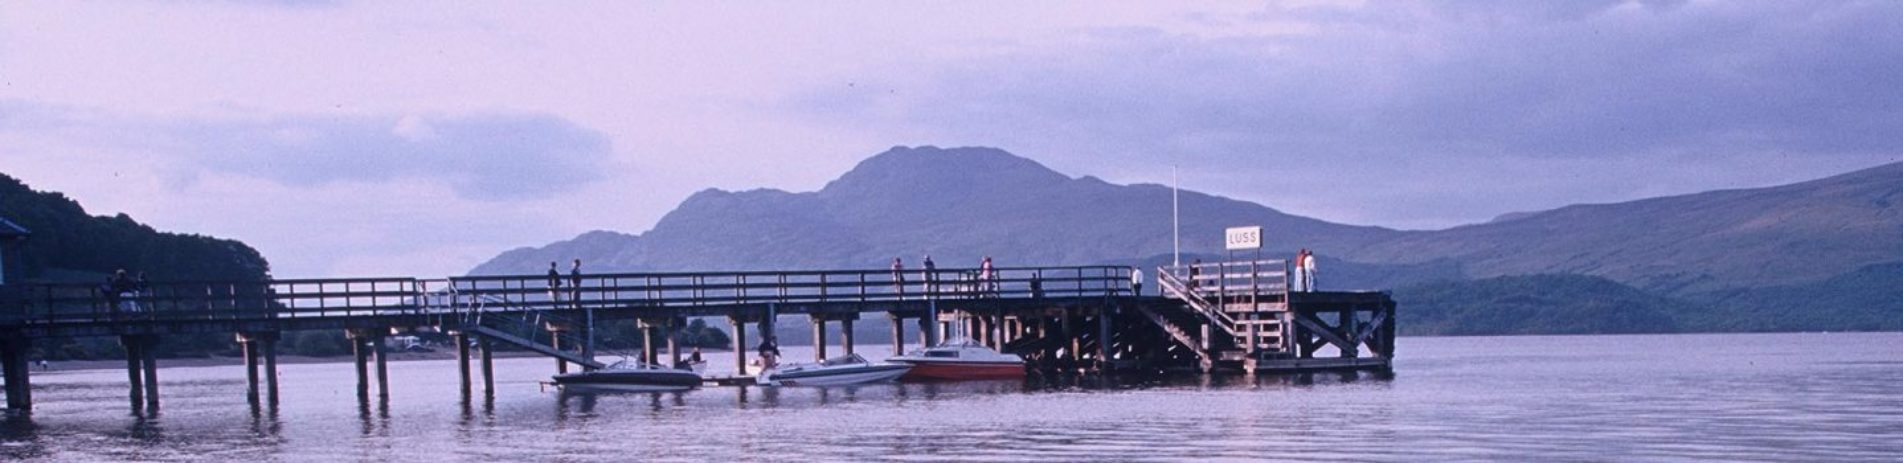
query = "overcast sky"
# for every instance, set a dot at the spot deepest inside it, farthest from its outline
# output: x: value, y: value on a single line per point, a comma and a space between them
x: 410, y: 138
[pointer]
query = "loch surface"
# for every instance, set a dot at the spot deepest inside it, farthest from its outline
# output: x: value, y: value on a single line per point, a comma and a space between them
x: 1785, y: 397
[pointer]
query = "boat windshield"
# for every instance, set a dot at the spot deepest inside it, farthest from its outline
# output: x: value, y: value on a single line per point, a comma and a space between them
x: 847, y: 359
x: 942, y: 353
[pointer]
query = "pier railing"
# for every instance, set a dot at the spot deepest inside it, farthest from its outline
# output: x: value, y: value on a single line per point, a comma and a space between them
x: 359, y: 297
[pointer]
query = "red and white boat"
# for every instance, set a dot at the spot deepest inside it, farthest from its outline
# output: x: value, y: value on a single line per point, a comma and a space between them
x: 960, y: 359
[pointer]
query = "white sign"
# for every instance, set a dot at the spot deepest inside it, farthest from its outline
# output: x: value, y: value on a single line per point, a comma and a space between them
x: 1236, y: 238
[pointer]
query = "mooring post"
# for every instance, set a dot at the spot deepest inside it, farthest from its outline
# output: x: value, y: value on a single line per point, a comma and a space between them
x: 250, y: 351
x: 739, y: 345
x: 149, y: 356
x: 13, y: 353
x: 135, y: 368
x: 488, y: 367
x: 462, y: 359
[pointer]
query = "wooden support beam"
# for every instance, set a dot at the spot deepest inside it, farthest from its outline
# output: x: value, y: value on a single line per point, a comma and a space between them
x: 250, y: 350
x: 383, y: 367
x: 819, y: 338
x: 1322, y: 329
x: 462, y: 361
x: 268, y: 347
x: 13, y: 360
x: 845, y: 335
x: 360, y: 350
x: 488, y: 367
x: 898, y: 335
x: 739, y: 345
x: 555, y: 341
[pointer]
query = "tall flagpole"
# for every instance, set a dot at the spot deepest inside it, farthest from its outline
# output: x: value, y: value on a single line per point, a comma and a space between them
x: 1176, y: 221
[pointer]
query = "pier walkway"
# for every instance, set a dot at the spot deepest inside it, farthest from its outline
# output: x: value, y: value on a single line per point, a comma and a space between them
x: 1226, y: 316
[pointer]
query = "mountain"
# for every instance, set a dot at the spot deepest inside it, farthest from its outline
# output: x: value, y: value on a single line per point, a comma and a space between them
x: 1535, y: 304
x: 70, y: 245
x: 1714, y: 241
x: 956, y: 204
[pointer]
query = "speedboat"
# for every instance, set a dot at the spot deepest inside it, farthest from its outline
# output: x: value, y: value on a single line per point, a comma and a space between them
x: 627, y: 376
x: 960, y: 359
x: 836, y: 371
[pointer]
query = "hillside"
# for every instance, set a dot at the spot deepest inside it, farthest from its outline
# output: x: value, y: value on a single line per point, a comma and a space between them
x: 70, y: 245
x: 1535, y: 304
x: 956, y: 204
x: 1792, y: 234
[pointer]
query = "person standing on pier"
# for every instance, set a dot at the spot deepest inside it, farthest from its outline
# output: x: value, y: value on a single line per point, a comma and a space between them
x: 1037, y: 284
x: 1136, y: 281
x: 554, y: 284
x: 574, y: 284
x: 1305, y: 270
x: 987, y: 277
x: 931, y: 277
x: 898, y: 277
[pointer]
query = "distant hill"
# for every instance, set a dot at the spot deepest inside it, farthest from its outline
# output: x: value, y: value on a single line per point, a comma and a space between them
x: 1733, y: 260
x: 956, y: 204
x: 70, y: 245
x: 1792, y: 234
x: 1535, y: 304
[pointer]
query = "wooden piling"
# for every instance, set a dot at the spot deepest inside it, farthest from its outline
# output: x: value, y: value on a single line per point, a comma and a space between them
x: 13, y: 360
x: 462, y: 360
x: 555, y: 341
x: 739, y: 345
x: 898, y: 335
x: 845, y: 334
x: 361, y: 352
x: 383, y: 367
x: 673, y: 343
x: 488, y: 367
x: 819, y: 339
x: 250, y: 351
x: 270, y: 349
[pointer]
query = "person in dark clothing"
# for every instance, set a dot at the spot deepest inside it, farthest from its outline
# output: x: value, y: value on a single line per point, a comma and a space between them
x: 554, y: 284
x: 931, y: 277
x: 574, y: 284
x: 119, y: 288
x: 769, y: 352
x: 898, y: 277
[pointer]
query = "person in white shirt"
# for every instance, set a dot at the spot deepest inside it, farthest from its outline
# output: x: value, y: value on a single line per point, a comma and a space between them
x: 1136, y: 281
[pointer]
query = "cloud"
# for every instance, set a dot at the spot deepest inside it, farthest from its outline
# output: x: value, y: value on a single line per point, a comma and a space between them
x: 1434, y: 92
x: 485, y: 157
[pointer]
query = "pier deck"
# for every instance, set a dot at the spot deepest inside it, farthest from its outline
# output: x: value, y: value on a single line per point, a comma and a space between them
x: 1215, y: 317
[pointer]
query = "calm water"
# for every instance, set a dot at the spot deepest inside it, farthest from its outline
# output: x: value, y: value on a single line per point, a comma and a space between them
x: 1789, y: 397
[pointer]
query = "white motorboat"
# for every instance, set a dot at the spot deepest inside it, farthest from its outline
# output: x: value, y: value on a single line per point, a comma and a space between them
x: 628, y: 376
x: 836, y: 371
x: 960, y: 359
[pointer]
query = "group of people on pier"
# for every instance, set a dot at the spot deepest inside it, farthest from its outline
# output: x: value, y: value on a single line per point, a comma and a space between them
x: 980, y: 283
x: 555, y: 291
x: 123, y: 291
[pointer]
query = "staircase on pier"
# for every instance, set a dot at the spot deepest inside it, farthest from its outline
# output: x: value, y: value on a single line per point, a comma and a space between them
x: 539, y: 331
x: 1228, y: 313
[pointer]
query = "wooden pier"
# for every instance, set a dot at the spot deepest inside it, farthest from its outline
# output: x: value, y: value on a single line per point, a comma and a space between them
x: 1229, y: 316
